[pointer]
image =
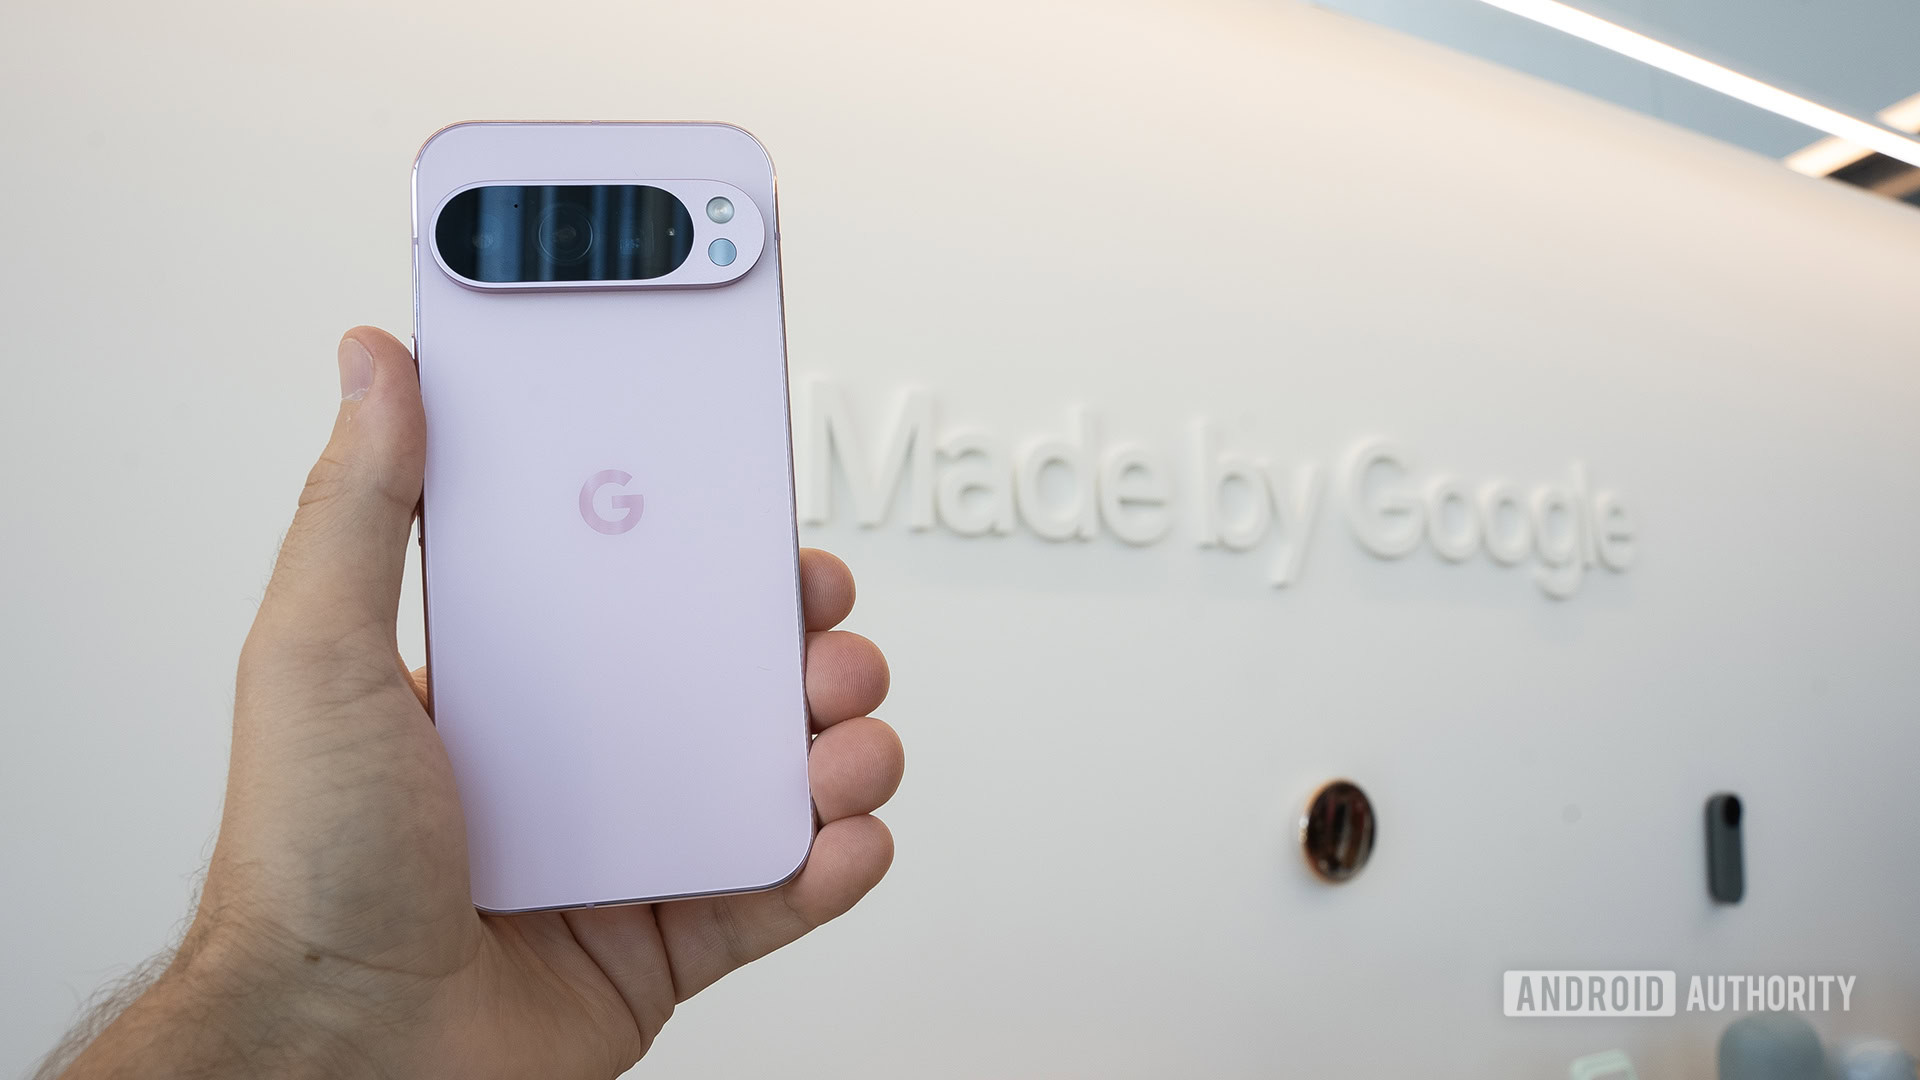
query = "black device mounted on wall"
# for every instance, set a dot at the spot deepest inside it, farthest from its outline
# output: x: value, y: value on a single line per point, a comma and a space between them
x: 1726, y: 857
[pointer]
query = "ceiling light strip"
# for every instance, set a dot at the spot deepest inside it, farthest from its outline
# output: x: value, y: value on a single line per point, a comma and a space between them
x: 1831, y: 154
x: 1638, y: 46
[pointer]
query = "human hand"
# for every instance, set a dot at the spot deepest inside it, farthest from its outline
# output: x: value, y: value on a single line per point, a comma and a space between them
x: 335, y: 934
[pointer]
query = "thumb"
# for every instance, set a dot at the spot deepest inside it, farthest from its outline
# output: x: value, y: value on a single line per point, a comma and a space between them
x: 336, y: 584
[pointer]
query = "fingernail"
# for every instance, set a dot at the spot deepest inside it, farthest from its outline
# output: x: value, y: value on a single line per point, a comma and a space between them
x: 356, y: 370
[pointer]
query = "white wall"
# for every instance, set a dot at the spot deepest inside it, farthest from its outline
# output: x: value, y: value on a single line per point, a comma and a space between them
x: 1290, y: 221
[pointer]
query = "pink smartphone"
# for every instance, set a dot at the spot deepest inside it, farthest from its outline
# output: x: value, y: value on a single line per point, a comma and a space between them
x: 607, y: 533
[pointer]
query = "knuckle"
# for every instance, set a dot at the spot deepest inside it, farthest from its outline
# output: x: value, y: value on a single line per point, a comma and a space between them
x: 326, y: 482
x: 335, y: 479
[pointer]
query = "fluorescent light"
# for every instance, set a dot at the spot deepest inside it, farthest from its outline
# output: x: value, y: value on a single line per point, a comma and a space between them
x: 1659, y: 54
x: 1826, y: 157
x: 1904, y: 115
x: 1831, y: 154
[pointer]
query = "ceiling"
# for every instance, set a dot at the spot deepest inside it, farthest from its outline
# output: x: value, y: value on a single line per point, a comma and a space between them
x: 1857, y: 56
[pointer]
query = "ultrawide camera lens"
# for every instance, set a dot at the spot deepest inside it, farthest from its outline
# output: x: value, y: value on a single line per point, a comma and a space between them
x: 487, y: 233
x: 566, y: 233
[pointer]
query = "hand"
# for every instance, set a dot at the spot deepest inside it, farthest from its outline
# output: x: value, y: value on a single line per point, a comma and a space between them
x: 335, y: 934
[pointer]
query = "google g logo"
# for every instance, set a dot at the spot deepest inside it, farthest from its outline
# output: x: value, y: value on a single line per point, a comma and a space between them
x: 629, y: 506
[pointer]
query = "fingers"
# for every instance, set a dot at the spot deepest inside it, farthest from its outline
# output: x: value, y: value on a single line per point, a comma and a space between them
x: 705, y: 939
x: 849, y: 858
x: 855, y: 767
x: 826, y: 589
x: 337, y: 580
x: 624, y: 941
x: 846, y: 677
x: 417, y: 678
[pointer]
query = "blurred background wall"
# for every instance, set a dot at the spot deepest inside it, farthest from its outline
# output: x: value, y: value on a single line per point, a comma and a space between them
x: 1306, y: 228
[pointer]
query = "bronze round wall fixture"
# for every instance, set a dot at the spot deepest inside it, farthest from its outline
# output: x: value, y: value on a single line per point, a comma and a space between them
x: 1337, y: 831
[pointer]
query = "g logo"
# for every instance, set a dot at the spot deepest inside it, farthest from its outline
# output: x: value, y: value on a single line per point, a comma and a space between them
x: 631, y: 504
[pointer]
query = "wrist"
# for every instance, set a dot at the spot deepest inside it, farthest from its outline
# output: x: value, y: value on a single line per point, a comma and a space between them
x: 230, y: 1005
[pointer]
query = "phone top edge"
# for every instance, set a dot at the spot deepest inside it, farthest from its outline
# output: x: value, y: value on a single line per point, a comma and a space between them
x: 751, y: 137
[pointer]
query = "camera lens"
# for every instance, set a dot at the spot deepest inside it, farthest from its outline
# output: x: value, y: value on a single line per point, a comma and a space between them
x: 566, y: 233
x: 487, y: 233
x: 539, y: 233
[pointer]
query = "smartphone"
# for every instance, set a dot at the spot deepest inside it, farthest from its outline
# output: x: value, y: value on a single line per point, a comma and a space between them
x: 607, y: 533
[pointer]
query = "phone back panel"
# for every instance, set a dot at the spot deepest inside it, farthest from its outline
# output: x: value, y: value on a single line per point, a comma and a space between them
x: 624, y: 711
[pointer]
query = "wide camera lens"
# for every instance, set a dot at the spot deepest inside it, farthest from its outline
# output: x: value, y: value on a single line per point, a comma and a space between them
x: 566, y: 233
